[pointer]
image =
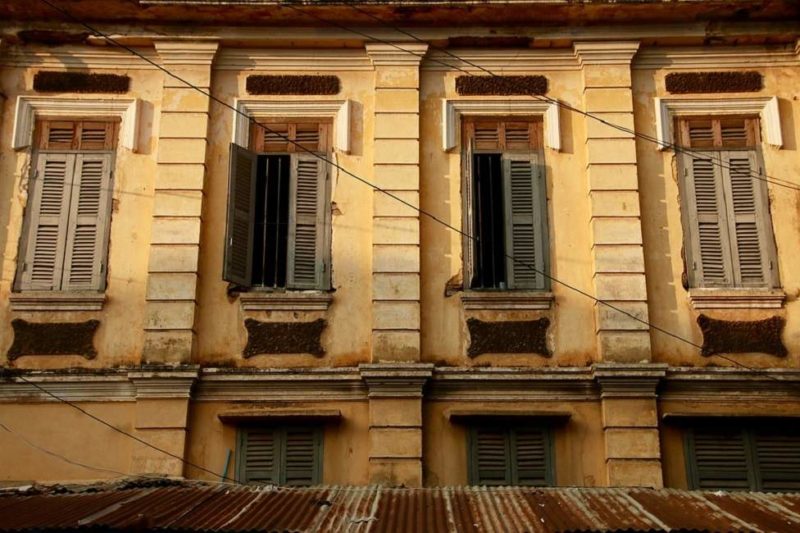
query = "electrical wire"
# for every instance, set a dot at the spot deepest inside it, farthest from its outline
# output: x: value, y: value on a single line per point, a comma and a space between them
x: 351, y: 174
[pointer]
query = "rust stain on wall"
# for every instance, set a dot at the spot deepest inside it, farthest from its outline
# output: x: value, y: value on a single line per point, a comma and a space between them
x: 59, y: 338
x: 284, y: 337
x: 724, y: 336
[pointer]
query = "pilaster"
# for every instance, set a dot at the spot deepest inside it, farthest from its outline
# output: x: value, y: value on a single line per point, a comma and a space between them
x: 175, y: 237
x: 395, y: 227
x: 615, y: 224
x: 630, y: 423
x: 162, y: 408
x: 395, y: 421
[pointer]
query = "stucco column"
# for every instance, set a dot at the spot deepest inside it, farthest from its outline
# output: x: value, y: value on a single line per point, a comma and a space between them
x: 162, y: 408
x: 175, y: 238
x: 630, y: 423
x: 395, y: 227
x: 395, y: 422
x: 615, y: 225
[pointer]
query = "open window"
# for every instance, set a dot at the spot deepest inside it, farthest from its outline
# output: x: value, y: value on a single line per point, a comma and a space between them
x: 64, y: 243
x: 278, y: 233
x: 727, y: 225
x: 505, y: 205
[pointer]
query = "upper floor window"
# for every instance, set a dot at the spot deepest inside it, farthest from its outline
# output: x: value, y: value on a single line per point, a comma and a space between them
x: 728, y: 230
x: 505, y: 204
x: 65, y: 234
x: 280, y: 455
x: 510, y: 454
x: 279, y: 208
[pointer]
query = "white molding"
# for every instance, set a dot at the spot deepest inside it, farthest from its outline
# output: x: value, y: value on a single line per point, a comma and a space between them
x: 56, y: 301
x: 453, y: 110
x: 507, y: 300
x: 401, y: 54
x: 285, y: 301
x: 160, y: 385
x: 338, y: 110
x: 704, y: 298
x: 78, y: 57
x: 186, y: 52
x: 29, y: 107
x: 766, y: 107
x: 605, y: 52
x: 113, y: 387
x: 715, y: 57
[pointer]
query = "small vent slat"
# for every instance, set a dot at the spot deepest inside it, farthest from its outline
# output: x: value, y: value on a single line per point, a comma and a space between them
x: 492, y: 457
x: 82, y: 257
x: 721, y: 460
x: 54, y: 176
x: 701, y: 135
x: 60, y: 137
x: 487, y: 136
x: 44, y: 255
x: 531, y: 457
x: 734, y: 133
x: 518, y: 136
x: 779, y: 461
x: 90, y: 188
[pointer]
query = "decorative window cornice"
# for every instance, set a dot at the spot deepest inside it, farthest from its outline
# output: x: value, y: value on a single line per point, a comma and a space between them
x: 338, y: 110
x: 453, y: 110
x: 765, y: 107
x: 56, y: 301
x: 507, y: 300
x: 703, y: 298
x: 285, y: 301
x: 403, y: 54
x: 29, y: 107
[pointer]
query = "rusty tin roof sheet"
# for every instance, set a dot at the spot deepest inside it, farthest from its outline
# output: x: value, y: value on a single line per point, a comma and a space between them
x: 197, y: 506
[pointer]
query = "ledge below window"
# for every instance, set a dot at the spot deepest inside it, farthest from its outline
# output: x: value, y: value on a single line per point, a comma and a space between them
x: 507, y: 300
x: 736, y: 298
x: 285, y: 301
x: 276, y: 415
x: 56, y: 301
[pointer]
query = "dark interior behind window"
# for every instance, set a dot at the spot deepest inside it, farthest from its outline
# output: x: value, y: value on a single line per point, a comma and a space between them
x: 271, y: 221
x: 490, y: 267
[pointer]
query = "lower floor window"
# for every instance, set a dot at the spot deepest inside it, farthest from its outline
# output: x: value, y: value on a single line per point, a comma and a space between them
x: 510, y: 455
x: 737, y: 457
x: 280, y: 455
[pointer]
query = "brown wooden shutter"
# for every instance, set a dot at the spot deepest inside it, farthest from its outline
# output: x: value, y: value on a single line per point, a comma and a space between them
x: 301, y: 459
x: 531, y: 466
x: 491, y: 456
x: 42, y: 268
x: 259, y: 457
x: 526, y: 221
x: 778, y: 460
x: 87, y: 231
x: 719, y: 459
x: 749, y: 225
x: 710, y: 262
x: 307, y: 223
x: 238, y: 264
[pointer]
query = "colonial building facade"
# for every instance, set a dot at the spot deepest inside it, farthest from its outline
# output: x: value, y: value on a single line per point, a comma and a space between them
x: 527, y: 243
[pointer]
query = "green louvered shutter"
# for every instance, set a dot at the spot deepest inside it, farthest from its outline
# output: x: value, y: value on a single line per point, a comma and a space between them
x: 526, y: 221
x: 238, y: 266
x: 718, y: 459
x: 87, y: 231
x: 532, y: 451
x: 306, y: 268
x: 48, y: 215
x: 301, y: 457
x: 777, y: 455
x: 259, y: 456
x: 491, y: 456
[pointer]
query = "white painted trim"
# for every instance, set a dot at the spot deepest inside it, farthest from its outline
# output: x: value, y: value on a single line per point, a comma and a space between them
x: 766, y: 107
x: 29, y: 107
x: 452, y: 110
x: 338, y: 110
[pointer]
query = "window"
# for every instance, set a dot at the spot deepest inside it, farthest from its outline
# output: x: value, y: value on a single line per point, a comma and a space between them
x: 510, y: 455
x: 279, y: 210
x: 729, y: 241
x: 65, y: 236
x: 743, y: 458
x: 506, y: 205
x: 280, y: 455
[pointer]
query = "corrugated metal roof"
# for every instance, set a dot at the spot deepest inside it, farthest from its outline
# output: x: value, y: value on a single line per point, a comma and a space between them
x: 197, y: 506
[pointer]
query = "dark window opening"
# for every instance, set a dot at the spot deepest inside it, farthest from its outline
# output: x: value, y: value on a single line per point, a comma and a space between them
x: 271, y: 231
x: 490, y: 256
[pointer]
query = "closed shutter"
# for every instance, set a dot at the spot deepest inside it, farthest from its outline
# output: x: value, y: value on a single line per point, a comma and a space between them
x: 300, y: 457
x: 42, y: 268
x: 90, y: 211
x: 718, y: 459
x: 749, y: 225
x: 238, y: 265
x: 778, y: 460
x: 526, y: 221
x: 532, y: 457
x: 259, y: 456
x: 710, y: 261
x: 491, y: 456
x: 307, y: 223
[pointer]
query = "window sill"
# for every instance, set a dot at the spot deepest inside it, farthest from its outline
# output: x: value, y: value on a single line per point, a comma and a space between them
x: 285, y: 301
x: 507, y: 300
x: 736, y: 298
x: 56, y: 301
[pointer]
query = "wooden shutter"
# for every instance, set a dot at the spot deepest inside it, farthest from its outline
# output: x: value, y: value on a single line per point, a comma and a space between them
x: 307, y: 223
x: 532, y: 457
x: 238, y: 265
x: 710, y: 262
x: 87, y: 231
x: 301, y: 457
x: 718, y: 459
x: 42, y: 268
x: 491, y: 457
x: 778, y: 458
x: 259, y: 456
x: 468, y: 242
x: 749, y: 225
x: 526, y: 221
